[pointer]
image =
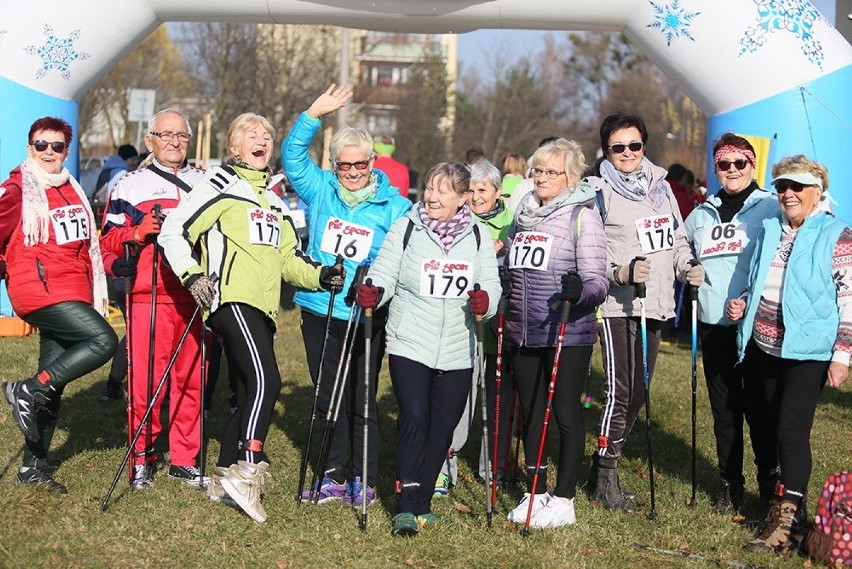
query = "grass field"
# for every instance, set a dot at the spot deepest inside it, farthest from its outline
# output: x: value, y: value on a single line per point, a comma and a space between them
x: 175, y: 526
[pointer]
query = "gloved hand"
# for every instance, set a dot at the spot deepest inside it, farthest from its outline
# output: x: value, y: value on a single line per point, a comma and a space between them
x: 637, y: 272
x: 572, y: 287
x: 203, y: 290
x: 122, y: 267
x: 150, y: 226
x: 478, y: 301
x: 369, y: 295
x: 505, y: 280
x: 695, y: 275
x: 332, y: 277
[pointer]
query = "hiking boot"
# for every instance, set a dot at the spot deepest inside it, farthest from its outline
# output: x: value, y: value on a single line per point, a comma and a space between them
x: 25, y: 408
x: 215, y: 492
x: 188, y: 475
x: 112, y: 391
x: 442, y: 486
x: 558, y: 512
x: 729, y: 499
x: 143, y: 477
x: 35, y: 476
x: 776, y: 534
x: 353, y: 494
x: 767, y: 480
x: 429, y: 519
x: 608, y: 493
x: 592, y: 482
x: 404, y: 524
x: 519, y: 514
x: 243, y: 482
x: 325, y: 490
x: 625, y: 491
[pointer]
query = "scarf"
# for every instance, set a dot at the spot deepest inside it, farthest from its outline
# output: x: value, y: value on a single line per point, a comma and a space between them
x: 354, y: 198
x: 497, y: 210
x: 731, y: 204
x: 446, y: 231
x: 531, y: 212
x: 35, y: 224
x: 635, y: 186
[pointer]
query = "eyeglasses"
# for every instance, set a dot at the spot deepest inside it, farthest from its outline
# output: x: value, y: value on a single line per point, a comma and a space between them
x: 41, y: 145
x: 346, y: 166
x: 782, y: 187
x: 725, y: 165
x: 620, y: 148
x: 551, y: 174
x: 170, y: 136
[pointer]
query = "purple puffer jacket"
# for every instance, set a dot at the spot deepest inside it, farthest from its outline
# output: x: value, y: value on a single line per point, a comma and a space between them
x: 579, y: 245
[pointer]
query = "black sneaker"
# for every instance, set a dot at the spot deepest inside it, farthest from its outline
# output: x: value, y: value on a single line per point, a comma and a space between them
x: 25, y: 408
x: 112, y: 392
x: 32, y: 476
x: 188, y: 475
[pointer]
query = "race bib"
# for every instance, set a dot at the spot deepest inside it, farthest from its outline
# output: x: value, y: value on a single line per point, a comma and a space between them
x: 70, y: 223
x: 530, y: 250
x: 655, y: 233
x: 445, y: 278
x: 264, y: 227
x: 724, y: 239
x: 347, y: 239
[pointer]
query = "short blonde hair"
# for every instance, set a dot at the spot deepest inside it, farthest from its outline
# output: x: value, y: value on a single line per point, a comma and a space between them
x: 514, y: 163
x: 566, y: 151
x: 350, y: 137
x: 801, y: 163
x: 238, y: 128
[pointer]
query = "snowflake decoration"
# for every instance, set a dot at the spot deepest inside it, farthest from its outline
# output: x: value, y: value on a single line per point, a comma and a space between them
x: 794, y: 16
x: 672, y: 20
x: 57, y: 53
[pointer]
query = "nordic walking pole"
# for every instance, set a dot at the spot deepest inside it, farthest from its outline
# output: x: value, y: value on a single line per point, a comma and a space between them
x: 479, y: 332
x: 587, y: 398
x: 131, y: 253
x: 693, y: 296
x: 551, y: 388
x: 201, y: 455
x: 498, y: 384
x: 306, y: 457
x: 149, y: 409
x: 155, y: 261
x: 643, y: 322
x: 368, y: 335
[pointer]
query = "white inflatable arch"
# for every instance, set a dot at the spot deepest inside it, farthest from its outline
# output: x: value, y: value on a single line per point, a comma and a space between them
x: 770, y: 68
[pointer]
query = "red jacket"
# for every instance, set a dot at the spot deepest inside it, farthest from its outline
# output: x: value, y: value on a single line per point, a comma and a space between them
x: 45, y: 274
x: 396, y: 171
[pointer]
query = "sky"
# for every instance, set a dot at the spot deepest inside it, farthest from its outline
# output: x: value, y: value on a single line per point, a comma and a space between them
x: 475, y: 48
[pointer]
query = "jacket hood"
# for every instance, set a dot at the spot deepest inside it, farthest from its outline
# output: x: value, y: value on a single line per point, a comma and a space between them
x: 115, y: 162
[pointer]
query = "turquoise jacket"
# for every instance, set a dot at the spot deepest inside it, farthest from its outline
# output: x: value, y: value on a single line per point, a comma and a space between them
x: 318, y: 188
x: 726, y: 275
x: 809, y: 298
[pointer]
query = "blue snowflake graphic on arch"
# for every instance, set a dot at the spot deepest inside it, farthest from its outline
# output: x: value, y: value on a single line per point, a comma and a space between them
x: 794, y: 16
x: 672, y: 20
x: 57, y: 53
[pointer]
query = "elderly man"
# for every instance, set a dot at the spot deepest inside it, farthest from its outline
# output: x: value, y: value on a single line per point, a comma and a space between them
x: 136, y: 207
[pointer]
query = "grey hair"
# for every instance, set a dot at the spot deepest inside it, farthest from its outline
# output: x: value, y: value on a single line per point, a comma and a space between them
x: 350, y: 137
x: 152, y: 121
x: 485, y: 170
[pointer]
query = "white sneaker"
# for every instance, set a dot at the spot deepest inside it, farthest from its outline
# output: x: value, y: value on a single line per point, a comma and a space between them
x: 243, y: 483
x: 558, y: 512
x: 519, y: 514
x: 215, y: 492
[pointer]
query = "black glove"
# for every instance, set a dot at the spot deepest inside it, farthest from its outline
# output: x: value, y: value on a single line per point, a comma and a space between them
x: 572, y: 287
x: 505, y: 280
x: 122, y: 267
x: 332, y: 277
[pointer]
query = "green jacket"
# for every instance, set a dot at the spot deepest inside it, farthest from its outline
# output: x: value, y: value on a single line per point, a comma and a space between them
x: 246, y: 241
x: 499, y: 228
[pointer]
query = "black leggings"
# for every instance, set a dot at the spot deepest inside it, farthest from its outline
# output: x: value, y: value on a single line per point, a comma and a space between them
x: 74, y: 340
x: 247, y: 335
x: 533, y: 367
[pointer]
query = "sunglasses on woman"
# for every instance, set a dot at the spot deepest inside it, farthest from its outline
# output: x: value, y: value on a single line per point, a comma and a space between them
x: 725, y: 165
x: 359, y: 165
x: 782, y: 187
x: 620, y: 148
x: 57, y: 146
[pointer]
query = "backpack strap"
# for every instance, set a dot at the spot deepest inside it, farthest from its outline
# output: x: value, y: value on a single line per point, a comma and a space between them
x: 477, y: 235
x: 171, y: 178
x: 405, y: 238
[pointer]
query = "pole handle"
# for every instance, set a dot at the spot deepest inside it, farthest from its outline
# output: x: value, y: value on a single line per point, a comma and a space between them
x: 693, y: 290
x: 368, y: 312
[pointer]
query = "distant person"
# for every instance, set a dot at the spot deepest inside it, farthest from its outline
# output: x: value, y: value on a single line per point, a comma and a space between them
x: 474, y: 154
x: 682, y: 182
x: 397, y: 172
x: 114, y: 168
x: 526, y: 185
x: 514, y: 167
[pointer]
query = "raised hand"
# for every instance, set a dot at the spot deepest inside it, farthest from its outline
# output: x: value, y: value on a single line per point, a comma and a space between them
x: 333, y: 99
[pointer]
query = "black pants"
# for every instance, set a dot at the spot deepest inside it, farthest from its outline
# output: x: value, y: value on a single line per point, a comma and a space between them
x: 73, y: 341
x: 247, y: 335
x: 791, y: 389
x: 533, y: 368
x: 735, y: 394
x: 348, y: 436
x: 430, y: 404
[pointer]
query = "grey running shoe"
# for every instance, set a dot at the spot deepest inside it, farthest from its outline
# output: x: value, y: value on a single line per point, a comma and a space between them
x: 33, y: 476
x: 25, y: 409
x: 143, y: 477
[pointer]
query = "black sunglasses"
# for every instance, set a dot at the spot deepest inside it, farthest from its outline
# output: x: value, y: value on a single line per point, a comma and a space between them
x: 57, y: 146
x: 359, y: 165
x: 619, y: 148
x: 782, y: 187
x: 725, y: 165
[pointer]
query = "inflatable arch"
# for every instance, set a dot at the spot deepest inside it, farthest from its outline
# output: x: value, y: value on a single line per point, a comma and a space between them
x: 775, y: 69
